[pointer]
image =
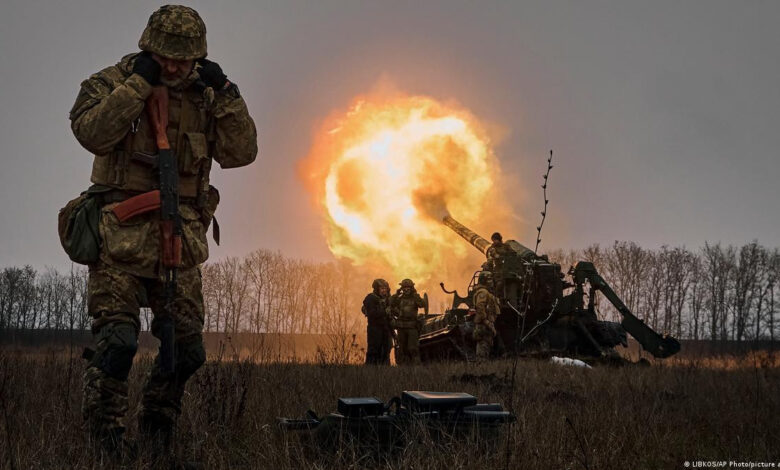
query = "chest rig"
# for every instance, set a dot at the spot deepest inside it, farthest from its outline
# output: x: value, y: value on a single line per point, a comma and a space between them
x: 130, y: 166
x: 407, y: 307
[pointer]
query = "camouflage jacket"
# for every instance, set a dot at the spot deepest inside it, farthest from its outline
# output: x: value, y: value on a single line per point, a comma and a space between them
x: 108, y: 119
x: 486, y: 306
x: 375, y: 310
x: 405, y: 307
x: 497, y: 250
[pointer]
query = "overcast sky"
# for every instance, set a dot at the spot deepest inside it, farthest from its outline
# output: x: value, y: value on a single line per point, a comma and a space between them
x: 664, y: 116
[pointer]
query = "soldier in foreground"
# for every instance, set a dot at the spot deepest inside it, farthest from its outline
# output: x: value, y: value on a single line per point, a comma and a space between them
x: 404, y: 306
x: 487, y: 308
x: 207, y: 119
x: 379, y: 332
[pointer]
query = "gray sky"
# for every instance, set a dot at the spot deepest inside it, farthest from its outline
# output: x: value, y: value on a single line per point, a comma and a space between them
x: 663, y: 115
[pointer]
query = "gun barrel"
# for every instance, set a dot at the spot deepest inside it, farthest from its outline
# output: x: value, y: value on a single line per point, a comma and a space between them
x: 469, y: 235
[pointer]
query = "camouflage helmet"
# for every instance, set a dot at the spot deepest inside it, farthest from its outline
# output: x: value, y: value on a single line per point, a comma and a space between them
x: 176, y: 32
x: 407, y: 283
x: 496, y: 237
x: 379, y: 283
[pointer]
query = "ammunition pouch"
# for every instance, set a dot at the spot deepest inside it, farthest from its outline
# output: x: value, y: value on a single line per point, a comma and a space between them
x: 193, y: 153
x: 132, y: 242
x: 78, y: 226
x: 118, y: 170
x: 195, y: 247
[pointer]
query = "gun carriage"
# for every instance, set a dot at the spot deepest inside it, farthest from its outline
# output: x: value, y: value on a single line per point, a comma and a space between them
x: 543, y: 310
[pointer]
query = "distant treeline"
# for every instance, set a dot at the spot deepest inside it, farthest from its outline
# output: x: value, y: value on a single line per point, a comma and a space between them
x: 716, y: 292
x: 262, y: 292
x: 260, y: 346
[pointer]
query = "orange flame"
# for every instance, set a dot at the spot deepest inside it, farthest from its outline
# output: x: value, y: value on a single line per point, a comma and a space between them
x: 388, y: 169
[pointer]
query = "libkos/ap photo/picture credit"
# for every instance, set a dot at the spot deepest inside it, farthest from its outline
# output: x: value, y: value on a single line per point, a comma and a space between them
x: 389, y: 235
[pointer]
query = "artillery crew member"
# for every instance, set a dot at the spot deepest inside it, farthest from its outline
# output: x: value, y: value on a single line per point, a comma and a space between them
x: 379, y: 331
x: 404, y: 306
x: 496, y: 251
x: 207, y: 119
x: 496, y: 254
x: 487, y: 309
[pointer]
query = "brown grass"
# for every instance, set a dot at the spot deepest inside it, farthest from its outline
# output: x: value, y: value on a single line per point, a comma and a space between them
x: 761, y: 359
x: 604, y: 418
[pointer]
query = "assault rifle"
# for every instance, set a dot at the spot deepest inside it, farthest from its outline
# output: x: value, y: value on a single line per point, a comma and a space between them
x: 170, y: 224
x: 167, y: 200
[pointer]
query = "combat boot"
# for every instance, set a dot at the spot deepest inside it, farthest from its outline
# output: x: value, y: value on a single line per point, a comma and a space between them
x: 157, y: 434
x: 113, y: 444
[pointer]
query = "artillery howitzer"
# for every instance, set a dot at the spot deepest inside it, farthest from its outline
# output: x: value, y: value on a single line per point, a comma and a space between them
x: 541, y: 311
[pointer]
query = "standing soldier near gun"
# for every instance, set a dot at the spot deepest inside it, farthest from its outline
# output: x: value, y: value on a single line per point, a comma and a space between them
x: 379, y: 332
x: 206, y: 119
x: 487, y: 308
x: 404, y: 305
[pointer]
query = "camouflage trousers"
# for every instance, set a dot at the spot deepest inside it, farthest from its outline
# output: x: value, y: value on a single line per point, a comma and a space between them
x: 484, y: 337
x: 408, y: 349
x: 380, y: 342
x: 114, y: 301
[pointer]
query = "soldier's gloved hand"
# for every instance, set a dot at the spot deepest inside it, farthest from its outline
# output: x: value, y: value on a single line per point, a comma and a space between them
x: 147, y: 68
x: 211, y: 74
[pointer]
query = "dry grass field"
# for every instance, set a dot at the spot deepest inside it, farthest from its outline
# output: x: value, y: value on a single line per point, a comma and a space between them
x: 656, y: 416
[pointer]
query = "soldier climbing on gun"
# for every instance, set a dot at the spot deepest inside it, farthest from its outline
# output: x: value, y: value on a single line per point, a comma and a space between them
x: 496, y: 254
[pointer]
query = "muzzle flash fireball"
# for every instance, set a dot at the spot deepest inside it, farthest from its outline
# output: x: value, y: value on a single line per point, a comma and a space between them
x: 391, y: 175
x: 384, y: 173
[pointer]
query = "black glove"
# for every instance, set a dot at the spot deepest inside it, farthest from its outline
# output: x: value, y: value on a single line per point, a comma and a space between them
x: 211, y: 74
x: 147, y: 68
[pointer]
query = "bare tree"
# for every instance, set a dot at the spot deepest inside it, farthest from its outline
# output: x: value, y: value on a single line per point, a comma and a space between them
x: 626, y: 266
x: 719, y: 292
x: 17, y: 297
x: 213, y: 299
x: 774, y: 275
x: 653, y: 287
x: 745, y: 279
x: 676, y: 268
x: 235, y: 283
x: 718, y: 267
x: 75, y: 298
x: 696, y: 298
x: 257, y: 265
